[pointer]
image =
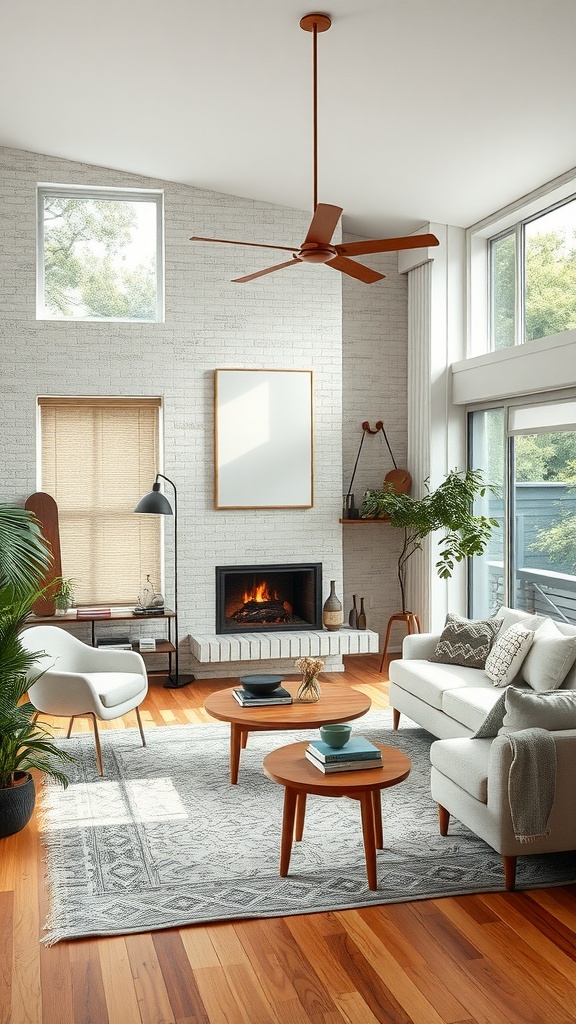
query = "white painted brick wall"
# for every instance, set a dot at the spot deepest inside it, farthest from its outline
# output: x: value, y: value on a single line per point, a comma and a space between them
x: 374, y: 331
x: 289, y: 319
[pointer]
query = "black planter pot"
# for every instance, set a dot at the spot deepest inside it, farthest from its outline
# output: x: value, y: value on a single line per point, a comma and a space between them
x: 16, y: 805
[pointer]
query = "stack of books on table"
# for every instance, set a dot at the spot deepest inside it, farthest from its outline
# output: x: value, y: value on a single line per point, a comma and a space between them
x: 357, y: 753
x: 262, y: 700
x: 116, y: 643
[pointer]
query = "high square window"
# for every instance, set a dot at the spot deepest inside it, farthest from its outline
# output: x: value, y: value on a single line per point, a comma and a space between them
x: 100, y: 254
x: 533, y: 278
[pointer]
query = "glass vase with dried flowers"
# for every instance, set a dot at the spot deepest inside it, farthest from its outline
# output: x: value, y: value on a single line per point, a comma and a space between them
x: 309, y: 689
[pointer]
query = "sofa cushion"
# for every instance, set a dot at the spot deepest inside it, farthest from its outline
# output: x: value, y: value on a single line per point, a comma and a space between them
x: 465, y: 762
x: 465, y: 642
x: 508, y: 651
x: 550, y: 658
x: 429, y: 682
x: 470, y: 705
x: 494, y: 719
x: 553, y: 710
x: 510, y: 616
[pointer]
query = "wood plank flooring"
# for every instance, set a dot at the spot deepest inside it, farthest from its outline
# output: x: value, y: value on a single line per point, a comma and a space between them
x: 493, y: 959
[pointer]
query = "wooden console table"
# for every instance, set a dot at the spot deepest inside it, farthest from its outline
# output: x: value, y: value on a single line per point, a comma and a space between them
x: 72, y: 618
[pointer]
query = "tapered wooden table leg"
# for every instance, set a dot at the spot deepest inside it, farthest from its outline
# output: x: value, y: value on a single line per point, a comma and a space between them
x: 367, y: 808
x: 236, y: 744
x: 300, y: 814
x: 290, y: 798
x: 377, y: 812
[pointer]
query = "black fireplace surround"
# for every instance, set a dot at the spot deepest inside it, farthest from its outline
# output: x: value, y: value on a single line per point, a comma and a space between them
x: 255, y: 598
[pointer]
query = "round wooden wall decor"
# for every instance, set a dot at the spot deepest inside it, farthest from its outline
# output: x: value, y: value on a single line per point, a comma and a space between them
x: 400, y: 479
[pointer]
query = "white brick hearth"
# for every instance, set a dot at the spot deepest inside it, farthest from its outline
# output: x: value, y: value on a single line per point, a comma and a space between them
x: 211, y: 647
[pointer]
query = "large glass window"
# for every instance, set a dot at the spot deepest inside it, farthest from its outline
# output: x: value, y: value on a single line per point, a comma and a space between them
x: 99, y: 255
x: 533, y: 278
x: 530, y: 452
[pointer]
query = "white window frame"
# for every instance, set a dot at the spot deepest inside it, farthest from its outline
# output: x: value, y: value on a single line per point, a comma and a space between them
x: 99, y: 192
x: 478, y: 237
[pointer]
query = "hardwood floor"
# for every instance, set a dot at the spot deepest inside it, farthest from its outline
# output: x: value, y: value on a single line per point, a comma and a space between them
x: 494, y: 959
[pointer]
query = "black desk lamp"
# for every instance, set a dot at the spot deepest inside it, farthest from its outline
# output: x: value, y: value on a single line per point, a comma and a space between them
x: 156, y: 503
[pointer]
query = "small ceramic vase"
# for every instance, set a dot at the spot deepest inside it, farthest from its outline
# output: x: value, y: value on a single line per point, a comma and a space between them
x: 332, y: 614
x: 353, y: 616
x: 361, y: 615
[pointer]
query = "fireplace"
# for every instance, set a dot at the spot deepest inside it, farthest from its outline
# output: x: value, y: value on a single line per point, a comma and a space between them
x: 254, y: 598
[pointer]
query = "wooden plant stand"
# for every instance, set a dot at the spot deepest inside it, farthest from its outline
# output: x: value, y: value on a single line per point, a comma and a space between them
x: 413, y: 625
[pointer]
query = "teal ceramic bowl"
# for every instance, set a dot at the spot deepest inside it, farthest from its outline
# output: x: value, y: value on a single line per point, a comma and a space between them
x: 335, y: 735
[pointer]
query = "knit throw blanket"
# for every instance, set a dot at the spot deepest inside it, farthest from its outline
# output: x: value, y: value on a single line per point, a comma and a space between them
x: 531, y: 783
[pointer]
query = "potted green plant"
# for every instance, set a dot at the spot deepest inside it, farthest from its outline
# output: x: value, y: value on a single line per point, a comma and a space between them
x: 449, y: 508
x: 24, y: 557
x: 62, y: 592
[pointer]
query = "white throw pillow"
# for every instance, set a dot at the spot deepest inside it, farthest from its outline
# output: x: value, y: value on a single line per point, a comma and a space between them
x: 507, y: 654
x: 550, y: 658
x: 554, y: 710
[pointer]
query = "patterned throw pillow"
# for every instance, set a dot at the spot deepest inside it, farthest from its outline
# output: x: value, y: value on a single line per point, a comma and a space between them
x: 465, y: 642
x: 505, y: 659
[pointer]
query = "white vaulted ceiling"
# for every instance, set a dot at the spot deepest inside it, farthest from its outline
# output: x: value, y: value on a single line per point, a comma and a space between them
x: 429, y: 110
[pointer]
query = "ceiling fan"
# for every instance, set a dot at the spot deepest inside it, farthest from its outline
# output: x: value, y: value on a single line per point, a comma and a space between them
x: 317, y: 247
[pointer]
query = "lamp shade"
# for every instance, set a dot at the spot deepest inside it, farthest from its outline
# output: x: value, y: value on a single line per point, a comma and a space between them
x: 155, y: 503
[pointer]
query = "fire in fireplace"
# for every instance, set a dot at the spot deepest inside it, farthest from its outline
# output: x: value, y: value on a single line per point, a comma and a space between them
x: 254, y: 598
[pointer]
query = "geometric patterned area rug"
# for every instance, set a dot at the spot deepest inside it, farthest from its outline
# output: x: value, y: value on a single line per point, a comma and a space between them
x: 164, y: 840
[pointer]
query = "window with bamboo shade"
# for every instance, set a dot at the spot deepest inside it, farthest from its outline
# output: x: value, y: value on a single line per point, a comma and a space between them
x: 98, y: 457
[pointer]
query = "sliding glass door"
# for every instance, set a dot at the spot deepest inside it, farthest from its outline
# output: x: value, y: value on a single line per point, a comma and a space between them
x: 529, y: 452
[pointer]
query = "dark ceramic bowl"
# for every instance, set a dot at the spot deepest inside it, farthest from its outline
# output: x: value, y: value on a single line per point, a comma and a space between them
x: 260, y: 685
x: 335, y: 735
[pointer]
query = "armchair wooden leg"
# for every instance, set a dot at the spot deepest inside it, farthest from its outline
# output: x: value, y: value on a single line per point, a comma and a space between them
x: 510, y: 872
x: 70, y: 724
x: 443, y: 820
x: 140, y: 727
x: 97, y: 742
x: 395, y: 718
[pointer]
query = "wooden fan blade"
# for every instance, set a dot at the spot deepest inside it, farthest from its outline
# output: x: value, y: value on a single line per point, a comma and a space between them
x: 269, y: 270
x: 385, y: 245
x: 356, y: 270
x: 323, y: 224
x: 259, y: 245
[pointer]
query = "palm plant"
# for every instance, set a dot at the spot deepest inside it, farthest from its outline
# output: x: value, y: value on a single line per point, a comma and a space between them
x: 24, y: 557
x: 448, y: 508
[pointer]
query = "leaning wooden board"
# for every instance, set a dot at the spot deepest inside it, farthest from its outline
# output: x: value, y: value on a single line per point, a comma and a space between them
x: 46, y: 511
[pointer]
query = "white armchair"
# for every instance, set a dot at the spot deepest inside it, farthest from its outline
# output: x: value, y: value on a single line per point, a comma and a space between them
x: 84, y: 680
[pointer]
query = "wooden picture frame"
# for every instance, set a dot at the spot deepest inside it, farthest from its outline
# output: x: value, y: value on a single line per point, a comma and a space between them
x: 263, y: 439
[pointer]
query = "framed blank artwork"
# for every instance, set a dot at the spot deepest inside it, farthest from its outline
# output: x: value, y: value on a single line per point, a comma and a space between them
x: 263, y: 443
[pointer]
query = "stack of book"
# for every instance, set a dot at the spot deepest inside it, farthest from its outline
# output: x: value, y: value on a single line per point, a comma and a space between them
x: 117, y: 643
x: 357, y: 753
x: 93, y: 613
x: 262, y: 700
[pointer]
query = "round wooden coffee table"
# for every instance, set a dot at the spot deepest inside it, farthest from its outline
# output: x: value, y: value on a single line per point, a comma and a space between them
x: 338, y: 703
x: 289, y: 767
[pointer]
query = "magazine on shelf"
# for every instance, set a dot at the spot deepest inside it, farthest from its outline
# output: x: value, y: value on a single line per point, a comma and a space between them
x: 93, y: 613
x: 344, y: 766
x: 356, y: 748
x: 250, y: 700
x: 117, y: 643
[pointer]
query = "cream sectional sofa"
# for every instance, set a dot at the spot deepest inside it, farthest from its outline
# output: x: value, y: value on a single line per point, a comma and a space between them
x: 449, y: 700
x: 470, y: 776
